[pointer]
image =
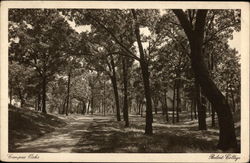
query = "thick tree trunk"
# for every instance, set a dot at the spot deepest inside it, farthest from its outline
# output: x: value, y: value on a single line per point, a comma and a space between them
x: 125, y: 85
x: 227, y: 138
x: 114, y: 83
x: 201, y: 115
x: 147, y: 91
x: 226, y: 123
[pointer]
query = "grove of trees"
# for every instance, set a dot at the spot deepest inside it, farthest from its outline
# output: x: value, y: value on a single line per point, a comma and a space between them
x: 132, y: 62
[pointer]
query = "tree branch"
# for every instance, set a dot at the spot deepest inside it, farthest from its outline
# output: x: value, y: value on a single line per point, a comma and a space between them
x: 111, y: 33
x: 184, y: 22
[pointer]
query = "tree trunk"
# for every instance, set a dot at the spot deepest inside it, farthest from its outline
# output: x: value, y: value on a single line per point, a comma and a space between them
x: 191, y: 109
x: 64, y: 103
x: 141, y: 109
x: 11, y: 95
x: 114, y: 83
x: 88, y: 106
x: 163, y: 109
x: 173, y: 117
x: 166, y: 105
x: 39, y: 102
x: 178, y: 100
x: 227, y: 138
x: 209, y: 108
x: 147, y: 91
x: 155, y: 104
x: 104, y: 97
x: 83, y: 107
x: 233, y: 101
x: 125, y: 85
x: 92, y: 105
x: 68, y: 92
x: 201, y: 115
x: 213, y: 117
x: 20, y: 97
x: 195, y: 106
x: 145, y: 77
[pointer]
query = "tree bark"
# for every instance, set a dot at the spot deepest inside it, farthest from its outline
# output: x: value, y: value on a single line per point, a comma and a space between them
x: 68, y: 92
x: 227, y: 138
x: 200, y: 108
x: 145, y: 76
x: 125, y: 85
x: 114, y: 83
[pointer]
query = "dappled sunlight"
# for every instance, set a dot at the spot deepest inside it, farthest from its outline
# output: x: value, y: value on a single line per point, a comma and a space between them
x: 112, y: 137
x: 98, y: 134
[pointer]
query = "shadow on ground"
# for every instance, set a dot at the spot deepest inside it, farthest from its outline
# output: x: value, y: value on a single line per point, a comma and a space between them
x: 27, y: 125
x: 107, y: 136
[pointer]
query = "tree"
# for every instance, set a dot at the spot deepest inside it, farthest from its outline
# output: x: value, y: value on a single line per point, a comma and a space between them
x: 195, y: 35
x: 42, y: 35
x: 102, y: 20
x: 20, y: 84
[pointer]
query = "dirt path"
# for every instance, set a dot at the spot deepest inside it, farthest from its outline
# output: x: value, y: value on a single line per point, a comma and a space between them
x: 62, y: 139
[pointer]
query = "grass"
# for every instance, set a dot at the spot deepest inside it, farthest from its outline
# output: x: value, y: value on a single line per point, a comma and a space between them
x: 99, y: 134
x: 113, y: 137
x: 27, y: 125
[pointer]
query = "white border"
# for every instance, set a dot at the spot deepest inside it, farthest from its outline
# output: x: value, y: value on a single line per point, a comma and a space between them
x: 93, y: 157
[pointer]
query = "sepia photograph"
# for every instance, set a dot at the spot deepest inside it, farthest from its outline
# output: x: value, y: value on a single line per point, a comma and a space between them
x: 125, y: 80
